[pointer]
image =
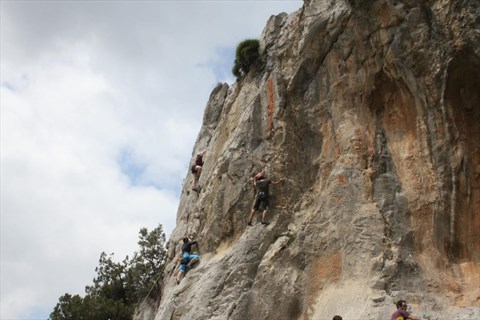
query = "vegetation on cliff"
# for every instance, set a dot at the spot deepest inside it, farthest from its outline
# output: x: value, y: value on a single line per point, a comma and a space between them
x: 246, y: 55
x: 119, y: 286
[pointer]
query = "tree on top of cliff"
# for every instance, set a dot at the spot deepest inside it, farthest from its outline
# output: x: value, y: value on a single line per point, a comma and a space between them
x: 247, y: 54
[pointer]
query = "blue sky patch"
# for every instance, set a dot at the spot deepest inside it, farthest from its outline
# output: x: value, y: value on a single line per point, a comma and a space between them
x: 8, y: 86
x: 222, y: 64
x: 130, y: 167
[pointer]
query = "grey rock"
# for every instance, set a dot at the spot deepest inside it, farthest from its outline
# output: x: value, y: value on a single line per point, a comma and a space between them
x: 375, y: 129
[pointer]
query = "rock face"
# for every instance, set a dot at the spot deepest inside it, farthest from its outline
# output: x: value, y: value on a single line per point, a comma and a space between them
x: 371, y: 113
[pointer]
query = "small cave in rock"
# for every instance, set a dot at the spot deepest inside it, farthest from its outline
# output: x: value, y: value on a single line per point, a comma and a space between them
x: 462, y: 100
x: 393, y: 106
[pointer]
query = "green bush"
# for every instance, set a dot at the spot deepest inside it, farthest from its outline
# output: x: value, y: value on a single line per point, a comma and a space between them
x: 246, y: 55
x: 291, y: 237
x: 119, y: 286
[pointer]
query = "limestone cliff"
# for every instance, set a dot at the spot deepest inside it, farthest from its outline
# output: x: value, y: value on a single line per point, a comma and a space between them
x: 371, y: 113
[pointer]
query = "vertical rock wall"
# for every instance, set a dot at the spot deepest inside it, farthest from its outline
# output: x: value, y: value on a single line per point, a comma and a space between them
x: 376, y: 130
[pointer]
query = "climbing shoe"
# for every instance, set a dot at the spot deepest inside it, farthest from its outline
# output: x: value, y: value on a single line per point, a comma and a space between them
x: 196, y: 189
x: 249, y: 223
x: 265, y: 223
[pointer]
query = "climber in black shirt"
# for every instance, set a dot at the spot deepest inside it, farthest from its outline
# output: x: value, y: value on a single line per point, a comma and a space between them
x: 187, y: 260
x: 262, y: 184
x: 187, y: 245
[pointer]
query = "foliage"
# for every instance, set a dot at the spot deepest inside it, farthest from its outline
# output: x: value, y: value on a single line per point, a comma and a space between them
x: 246, y: 55
x: 291, y: 237
x: 149, y: 262
x: 69, y: 307
x: 119, y: 286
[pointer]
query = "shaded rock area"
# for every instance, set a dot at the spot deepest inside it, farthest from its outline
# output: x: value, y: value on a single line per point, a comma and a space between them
x: 371, y: 114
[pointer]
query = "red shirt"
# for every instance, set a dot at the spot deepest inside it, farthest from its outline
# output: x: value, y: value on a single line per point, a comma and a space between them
x: 199, y: 160
x: 400, y: 314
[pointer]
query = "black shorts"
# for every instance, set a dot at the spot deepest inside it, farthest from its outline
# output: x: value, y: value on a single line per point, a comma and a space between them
x: 259, y: 200
x: 194, y: 168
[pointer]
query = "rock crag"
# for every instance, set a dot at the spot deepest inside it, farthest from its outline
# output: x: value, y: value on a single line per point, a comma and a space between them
x: 371, y: 114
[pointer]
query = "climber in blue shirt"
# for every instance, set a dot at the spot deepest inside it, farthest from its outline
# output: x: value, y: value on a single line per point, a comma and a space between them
x: 187, y: 259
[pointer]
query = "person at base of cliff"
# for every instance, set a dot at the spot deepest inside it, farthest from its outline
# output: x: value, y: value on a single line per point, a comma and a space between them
x: 197, y: 170
x: 402, y: 313
x: 261, y: 184
x: 187, y: 259
x: 337, y: 318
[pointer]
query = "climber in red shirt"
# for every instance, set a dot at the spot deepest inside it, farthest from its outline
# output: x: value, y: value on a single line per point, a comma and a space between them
x: 197, y: 169
x: 402, y: 313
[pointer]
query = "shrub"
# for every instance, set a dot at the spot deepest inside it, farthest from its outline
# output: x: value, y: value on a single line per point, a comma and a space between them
x: 119, y: 286
x: 246, y: 55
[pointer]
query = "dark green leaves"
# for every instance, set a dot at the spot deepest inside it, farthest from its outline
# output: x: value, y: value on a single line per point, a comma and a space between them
x: 246, y: 55
x: 119, y: 286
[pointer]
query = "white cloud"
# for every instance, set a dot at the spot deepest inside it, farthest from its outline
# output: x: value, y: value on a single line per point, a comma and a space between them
x: 101, y: 103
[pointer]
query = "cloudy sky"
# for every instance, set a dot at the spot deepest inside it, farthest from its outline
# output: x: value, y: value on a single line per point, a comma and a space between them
x: 101, y: 103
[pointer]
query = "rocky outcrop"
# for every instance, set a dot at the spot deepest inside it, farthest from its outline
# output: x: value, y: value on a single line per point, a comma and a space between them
x: 372, y: 115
